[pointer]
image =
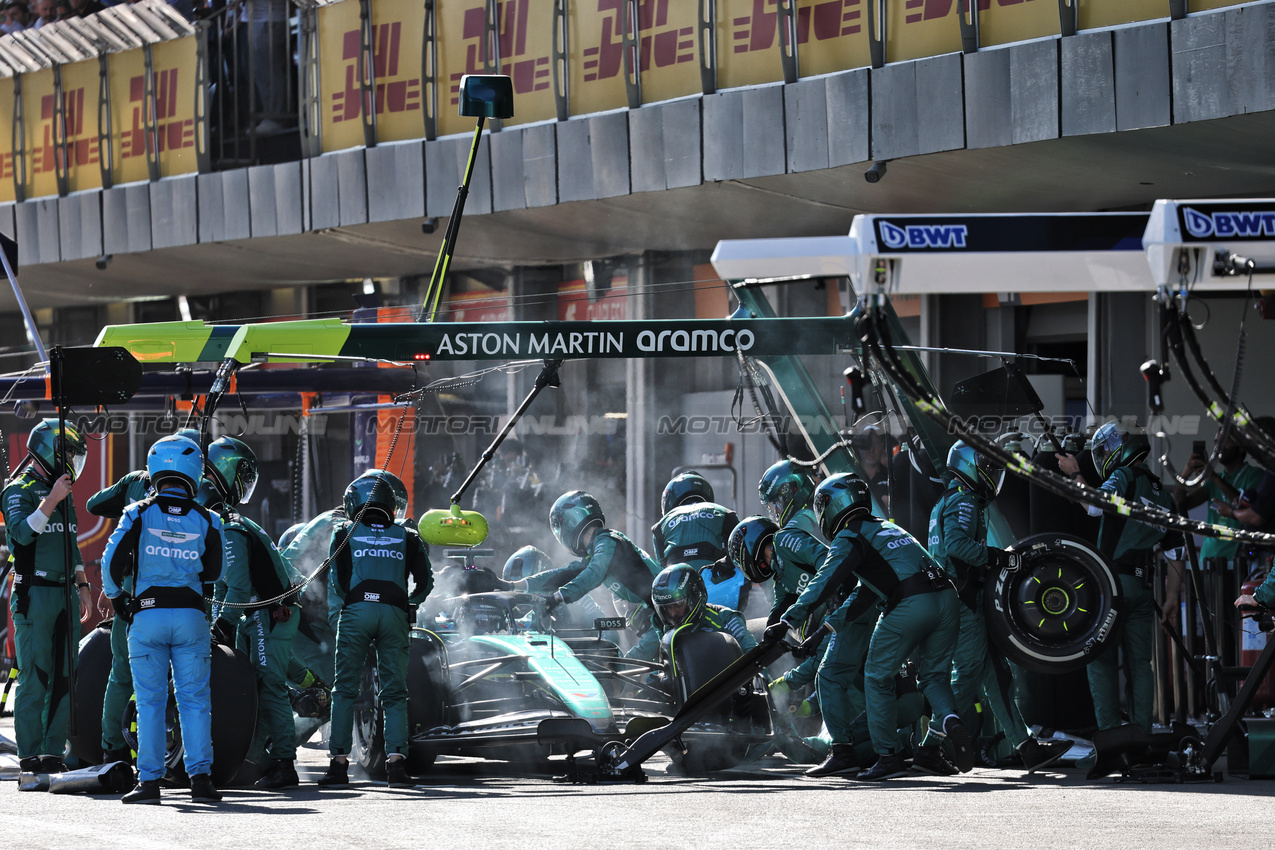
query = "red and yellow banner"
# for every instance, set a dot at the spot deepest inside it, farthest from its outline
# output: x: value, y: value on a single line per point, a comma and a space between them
x: 80, y: 94
x: 920, y: 28
x: 7, y: 192
x: 832, y: 35
x: 597, y: 55
x: 748, y: 43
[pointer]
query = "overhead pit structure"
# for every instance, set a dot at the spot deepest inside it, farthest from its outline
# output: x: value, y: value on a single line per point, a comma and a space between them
x: 1034, y: 252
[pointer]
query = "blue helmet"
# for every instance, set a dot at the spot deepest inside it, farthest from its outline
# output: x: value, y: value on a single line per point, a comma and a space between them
x: 175, y: 460
x: 979, y: 473
x: 527, y: 561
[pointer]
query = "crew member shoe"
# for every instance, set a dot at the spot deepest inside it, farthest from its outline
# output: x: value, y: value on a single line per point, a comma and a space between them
x: 146, y: 792
x: 30, y: 764
x: 930, y: 760
x: 841, y: 759
x: 123, y: 754
x: 51, y: 764
x: 396, y: 773
x: 202, y: 790
x: 962, y: 747
x: 1038, y: 754
x: 338, y: 775
x: 282, y: 774
x: 888, y: 766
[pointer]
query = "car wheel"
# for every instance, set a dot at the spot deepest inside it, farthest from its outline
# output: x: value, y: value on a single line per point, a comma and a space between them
x: 1058, y: 609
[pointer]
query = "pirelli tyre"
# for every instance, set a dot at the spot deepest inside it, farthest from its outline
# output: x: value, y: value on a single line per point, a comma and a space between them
x: 368, y: 751
x: 234, y: 717
x: 90, y: 692
x: 1058, y: 609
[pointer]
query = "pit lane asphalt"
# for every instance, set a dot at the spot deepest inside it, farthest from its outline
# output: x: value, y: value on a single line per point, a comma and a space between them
x: 471, y: 803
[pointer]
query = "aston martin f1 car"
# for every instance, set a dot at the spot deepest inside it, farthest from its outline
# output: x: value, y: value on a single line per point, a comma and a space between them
x: 494, y: 674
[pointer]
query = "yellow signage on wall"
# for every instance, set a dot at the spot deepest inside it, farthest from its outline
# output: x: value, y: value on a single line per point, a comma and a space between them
x: 1205, y: 5
x: 748, y: 43
x: 37, y: 110
x: 341, y: 121
x: 80, y: 94
x: 524, y: 47
x: 597, y: 55
x: 175, y: 105
x: 832, y: 35
x: 667, y: 53
x: 7, y: 163
x: 128, y: 139
x: 1104, y: 13
x: 1003, y: 21
x: 397, y: 29
x: 920, y: 29
x: 460, y: 27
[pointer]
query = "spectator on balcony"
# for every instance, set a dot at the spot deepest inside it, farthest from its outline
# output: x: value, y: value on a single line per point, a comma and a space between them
x: 46, y: 12
x: 16, y: 15
x: 84, y: 8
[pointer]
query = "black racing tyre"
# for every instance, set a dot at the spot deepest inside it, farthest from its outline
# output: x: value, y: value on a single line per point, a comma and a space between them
x: 234, y: 711
x: 368, y: 751
x: 1058, y: 609
x: 91, y: 675
x: 426, y: 695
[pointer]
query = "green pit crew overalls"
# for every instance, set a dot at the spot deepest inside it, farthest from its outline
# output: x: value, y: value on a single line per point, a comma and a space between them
x: 254, y: 570
x: 622, y: 567
x: 370, y: 573
x: 958, y: 541
x: 696, y: 534
x: 110, y: 503
x: 39, y: 608
x: 314, y: 647
x: 920, y: 619
x: 798, y: 563
x: 1129, y: 546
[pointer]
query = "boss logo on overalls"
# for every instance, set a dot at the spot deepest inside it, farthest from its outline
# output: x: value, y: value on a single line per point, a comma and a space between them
x: 371, y: 597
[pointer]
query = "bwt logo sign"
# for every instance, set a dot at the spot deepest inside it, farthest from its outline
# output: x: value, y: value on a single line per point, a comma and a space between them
x: 922, y: 235
x: 1226, y: 225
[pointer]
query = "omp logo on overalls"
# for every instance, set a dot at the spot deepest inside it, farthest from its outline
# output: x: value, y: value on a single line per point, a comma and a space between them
x: 377, y: 549
x: 1228, y: 224
x: 173, y: 539
x: 922, y: 235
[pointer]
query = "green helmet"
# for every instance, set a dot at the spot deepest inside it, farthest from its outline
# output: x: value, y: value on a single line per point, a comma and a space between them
x: 232, y: 469
x: 841, y: 498
x: 679, y: 595
x: 978, y: 472
x: 784, y: 490
x: 571, y: 516
x: 43, y: 446
x: 1115, y: 446
x: 745, y: 547
x: 208, y: 496
x: 685, y: 489
x: 396, y: 484
x: 373, y: 496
